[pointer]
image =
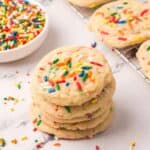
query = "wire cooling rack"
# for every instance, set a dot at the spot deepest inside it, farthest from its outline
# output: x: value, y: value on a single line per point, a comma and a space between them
x: 127, y: 54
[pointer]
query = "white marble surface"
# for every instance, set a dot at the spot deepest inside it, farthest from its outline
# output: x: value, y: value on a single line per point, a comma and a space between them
x: 132, y: 97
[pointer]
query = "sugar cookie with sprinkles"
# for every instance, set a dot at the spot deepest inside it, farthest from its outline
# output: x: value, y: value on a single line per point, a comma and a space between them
x: 86, y: 117
x: 88, y: 3
x: 143, y: 56
x: 122, y: 23
x: 61, y: 112
x: 83, y: 125
x: 21, y: 22
x: 71, y: 76
x: 72, y: 90
x: 73, y: 134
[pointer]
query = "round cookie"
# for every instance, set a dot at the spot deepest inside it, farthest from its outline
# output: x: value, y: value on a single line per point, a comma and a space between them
x: 143, y: 56
x: 122, y: 23
x: 70, y: 134
x: 71, y: 126
x: 77, y: 111
x: 88, y: 3
x: 86, y: 117
x: 71, y: 76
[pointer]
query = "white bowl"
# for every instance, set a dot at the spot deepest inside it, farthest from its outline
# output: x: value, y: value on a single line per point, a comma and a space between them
x: 28, y: 48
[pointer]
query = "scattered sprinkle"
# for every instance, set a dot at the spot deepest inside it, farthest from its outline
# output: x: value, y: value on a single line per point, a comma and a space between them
x: 104, y: 33
x: 14, y: 141
x: 144, y: 12
x: 39, y: 145
x: 56, y: 60
x: 42, y: 69
x: 51, y: 90
x: 66, y: 73
x: 81, y: 74
x: 121, y: 21
x: 125, y: 3
x: 97, y: 147
x: 34, y: 129
x: 114, y: 13
x: 68, y: 109
x: 10, y: 99
x: 84, y: 78
x: 67, y: 83
x: 148, y: 48
x: 122, y: 38
x: 34, y: 121
x: 132, y: 145
x: 94, y: 44
x: 56, y: 144
x: 12, y: 109
x: 39, y: 122
x: 60, y: 81
x: 2, y: 142
x: 45, y: 78
x: 57, y: 87
x: 69, y: 64
x: 96, y: 63
x: 19, y: 86
x: 86, y: 67
x: 79, y: 86
x: 23, y: 138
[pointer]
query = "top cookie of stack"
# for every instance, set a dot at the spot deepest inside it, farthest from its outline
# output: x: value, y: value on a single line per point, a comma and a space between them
x: 71, y: 76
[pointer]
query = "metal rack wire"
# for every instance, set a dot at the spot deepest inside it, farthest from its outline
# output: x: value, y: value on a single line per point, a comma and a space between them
x: 127, y: 54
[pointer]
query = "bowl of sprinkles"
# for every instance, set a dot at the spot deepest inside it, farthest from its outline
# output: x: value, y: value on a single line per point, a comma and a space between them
x: 23, y: 28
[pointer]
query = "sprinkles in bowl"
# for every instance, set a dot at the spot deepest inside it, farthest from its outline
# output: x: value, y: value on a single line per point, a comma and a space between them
x: 20, y: 22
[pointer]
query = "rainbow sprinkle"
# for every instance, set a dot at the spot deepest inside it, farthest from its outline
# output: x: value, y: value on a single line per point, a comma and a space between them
x: 148, y: 48
x: 60, y: 73
x: 68, y: 109
x: 2, y: 142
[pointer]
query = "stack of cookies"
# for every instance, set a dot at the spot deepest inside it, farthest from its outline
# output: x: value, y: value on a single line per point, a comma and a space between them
x: 72, y: 90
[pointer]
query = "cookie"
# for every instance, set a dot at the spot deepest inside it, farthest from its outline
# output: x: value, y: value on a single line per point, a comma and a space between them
x: 70, y: 134
x: 71, y: 76
x: 62, y: 112
x: 86, y: 117
x: 88, y: 3
x: 143, y: 56
x: 122, y: 23
x: 84, y: 125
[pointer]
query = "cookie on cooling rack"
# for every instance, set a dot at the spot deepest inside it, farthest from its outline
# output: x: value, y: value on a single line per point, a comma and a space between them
x: 122, y: 23
x: 143, y: 55
x: 88, y: 3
